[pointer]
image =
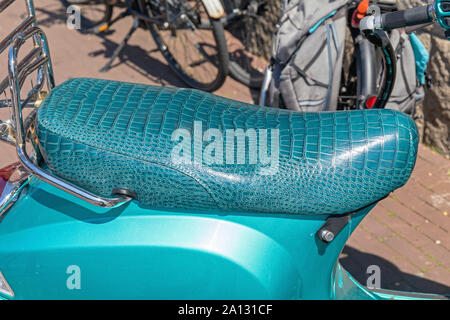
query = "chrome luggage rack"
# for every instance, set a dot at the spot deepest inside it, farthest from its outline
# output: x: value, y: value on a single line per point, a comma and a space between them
x: 16, y: 131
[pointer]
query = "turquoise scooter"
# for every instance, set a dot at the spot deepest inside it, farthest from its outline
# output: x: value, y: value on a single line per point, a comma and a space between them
x: 130, y: 191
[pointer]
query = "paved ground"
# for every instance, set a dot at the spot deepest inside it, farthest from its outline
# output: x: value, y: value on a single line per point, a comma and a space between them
x: 406, y: 235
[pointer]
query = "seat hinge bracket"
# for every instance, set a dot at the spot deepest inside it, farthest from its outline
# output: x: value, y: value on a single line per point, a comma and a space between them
x: 332, y: 226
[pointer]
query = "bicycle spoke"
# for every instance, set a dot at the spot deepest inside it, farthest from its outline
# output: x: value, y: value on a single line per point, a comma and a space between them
x: 188, y: 47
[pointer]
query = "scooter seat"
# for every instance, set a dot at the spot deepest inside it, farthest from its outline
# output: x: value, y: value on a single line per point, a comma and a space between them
x: 154, y: 141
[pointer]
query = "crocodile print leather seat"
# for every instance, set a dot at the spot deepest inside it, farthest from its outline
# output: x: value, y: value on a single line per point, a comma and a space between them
x: 103, y: 135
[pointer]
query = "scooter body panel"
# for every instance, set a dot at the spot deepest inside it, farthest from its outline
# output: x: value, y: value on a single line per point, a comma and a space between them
x: 345, y: 287
x: 55, y: 246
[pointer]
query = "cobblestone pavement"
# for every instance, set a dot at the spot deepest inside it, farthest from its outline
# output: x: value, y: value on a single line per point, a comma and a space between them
x: 406, y: 235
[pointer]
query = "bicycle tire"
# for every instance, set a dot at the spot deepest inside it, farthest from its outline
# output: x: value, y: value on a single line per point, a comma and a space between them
x: 240, y: 74
x: 366, y: 75
x: 239, y: 69
x: 222, y: 54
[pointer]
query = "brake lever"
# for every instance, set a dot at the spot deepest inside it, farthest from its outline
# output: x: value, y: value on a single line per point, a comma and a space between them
x: 412, y: 29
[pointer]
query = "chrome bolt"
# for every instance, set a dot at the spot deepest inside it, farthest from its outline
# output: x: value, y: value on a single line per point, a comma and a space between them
x: 326, y: 235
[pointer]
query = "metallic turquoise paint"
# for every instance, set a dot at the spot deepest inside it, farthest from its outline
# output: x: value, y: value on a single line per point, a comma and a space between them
x: 346, y: 287
x: 135, y: 253
x: 129, y: 252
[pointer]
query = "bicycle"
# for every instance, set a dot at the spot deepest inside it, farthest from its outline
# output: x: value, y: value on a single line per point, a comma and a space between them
x: 189, y: 34
x: 363, y: 71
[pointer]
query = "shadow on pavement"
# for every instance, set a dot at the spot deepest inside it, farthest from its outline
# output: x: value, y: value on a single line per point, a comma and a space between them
x: 52, y: 16
x: 392, y: 278
x: 141, y: 61
x: 133, y: 56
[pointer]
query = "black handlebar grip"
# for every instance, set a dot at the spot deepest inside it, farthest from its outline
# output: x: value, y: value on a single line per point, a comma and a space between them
x: 405, y: 18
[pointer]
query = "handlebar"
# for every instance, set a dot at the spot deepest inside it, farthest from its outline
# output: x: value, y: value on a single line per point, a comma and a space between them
x: 374, y: 27
x: 438, y: 11
x: 406, y: 18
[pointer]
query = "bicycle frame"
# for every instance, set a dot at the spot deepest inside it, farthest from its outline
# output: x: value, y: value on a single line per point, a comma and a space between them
x: 160, y: 16
x: 163, y: 21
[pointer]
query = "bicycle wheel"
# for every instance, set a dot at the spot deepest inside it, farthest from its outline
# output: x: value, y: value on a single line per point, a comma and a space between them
x: 192, y: 43
x: 94, y: 13
x: 246, y: 36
